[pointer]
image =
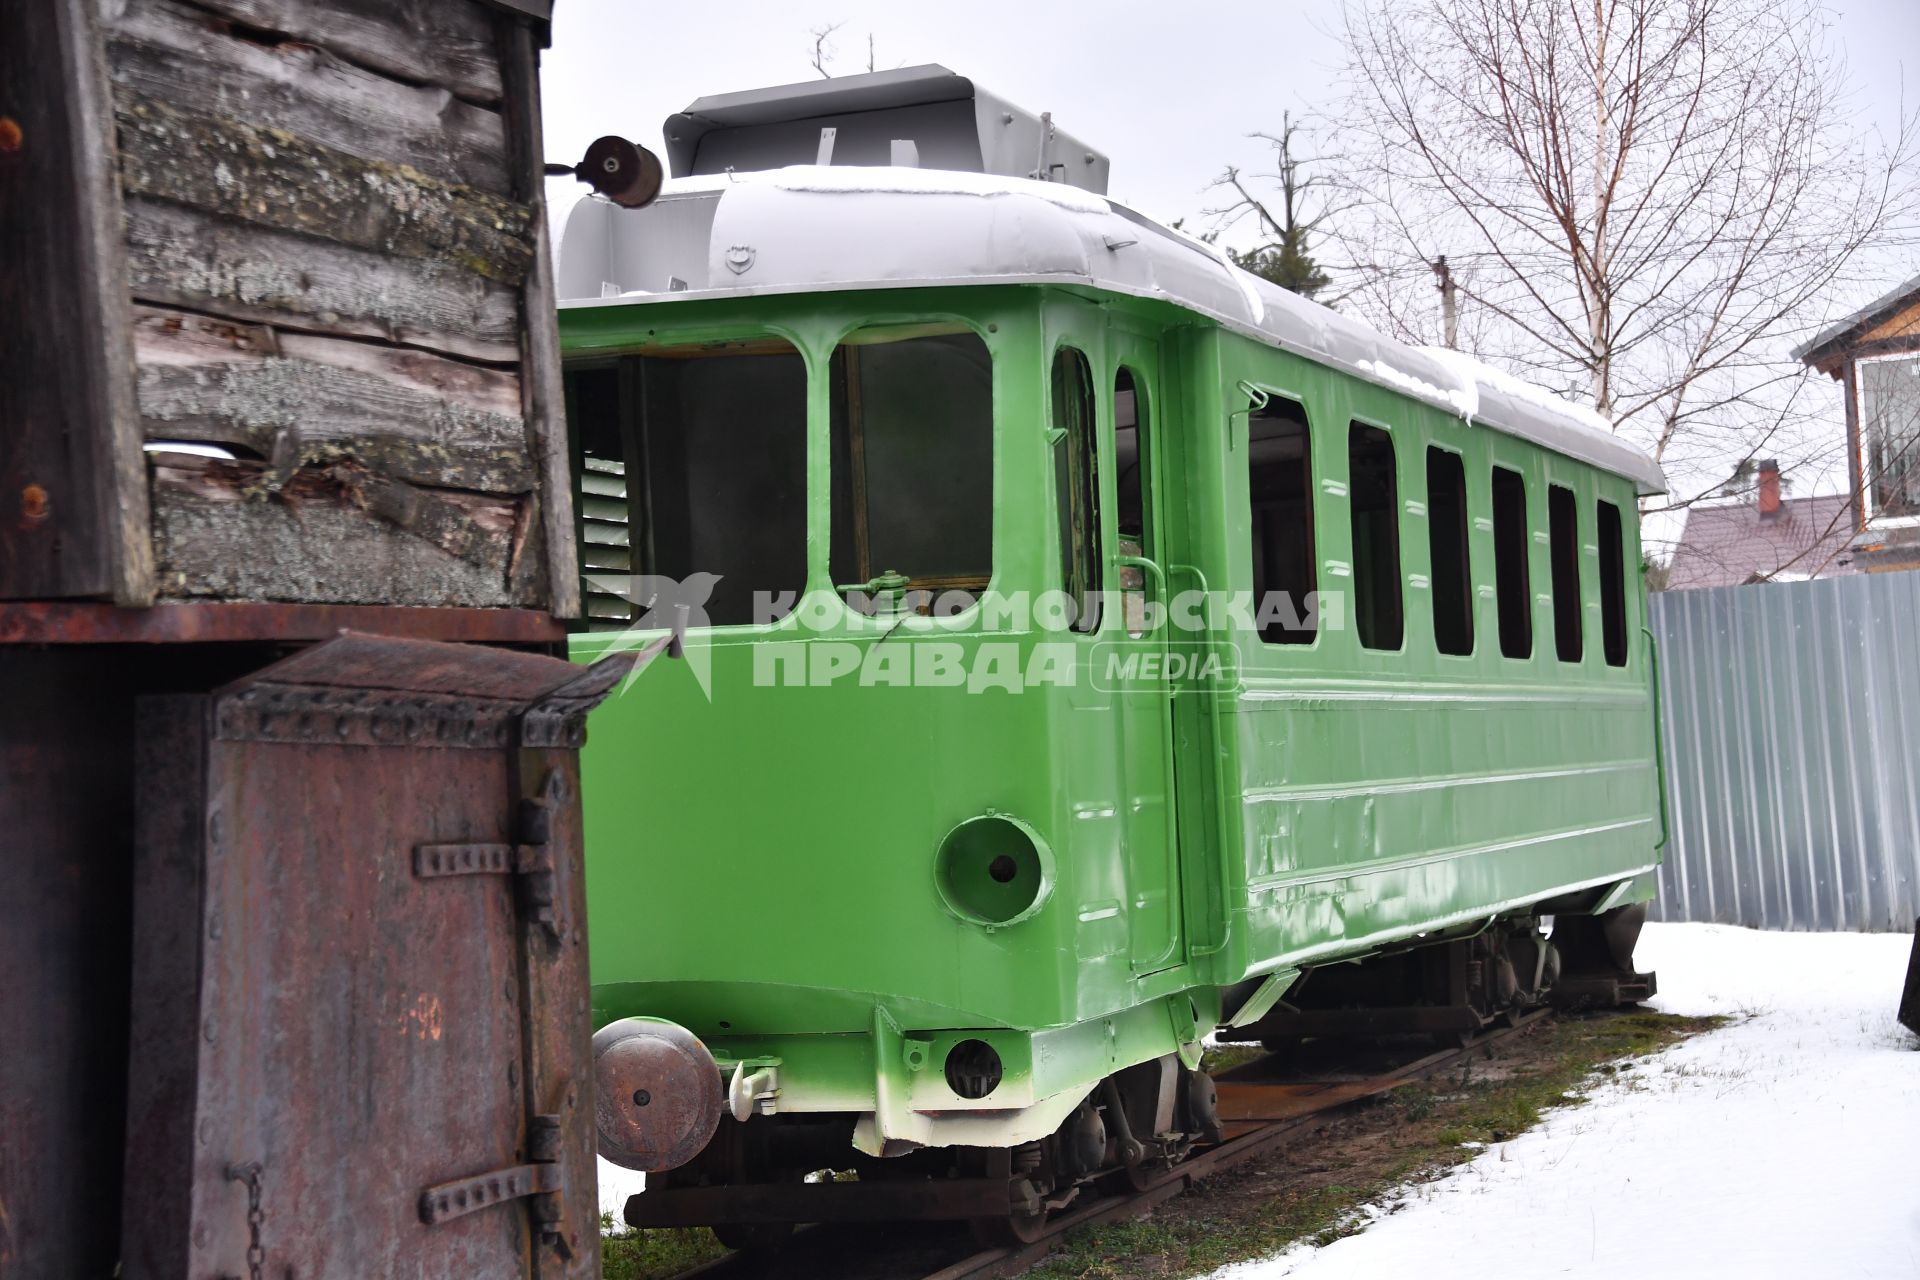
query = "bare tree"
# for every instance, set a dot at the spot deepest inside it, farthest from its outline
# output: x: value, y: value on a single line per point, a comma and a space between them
x: 1287, y: 207
x: 1641, y: 203
x: 824, y: 52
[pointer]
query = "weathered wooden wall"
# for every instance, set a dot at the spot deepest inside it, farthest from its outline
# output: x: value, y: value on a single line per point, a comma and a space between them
x: 329, y: 223
x: 73, y: 516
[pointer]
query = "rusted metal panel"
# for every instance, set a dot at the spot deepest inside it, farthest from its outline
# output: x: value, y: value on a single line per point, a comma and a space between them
x: 66, y: 813
x: 85, y: 623
x: 343, y: 1067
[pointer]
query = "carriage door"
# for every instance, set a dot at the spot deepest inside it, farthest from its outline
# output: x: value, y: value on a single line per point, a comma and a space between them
x: 1142, y: 661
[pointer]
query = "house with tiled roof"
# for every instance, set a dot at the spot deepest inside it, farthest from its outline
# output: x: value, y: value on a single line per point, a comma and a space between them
x: 1761, y: 536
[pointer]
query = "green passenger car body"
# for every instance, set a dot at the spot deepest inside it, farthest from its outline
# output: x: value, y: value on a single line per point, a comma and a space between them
x: 764, y: 821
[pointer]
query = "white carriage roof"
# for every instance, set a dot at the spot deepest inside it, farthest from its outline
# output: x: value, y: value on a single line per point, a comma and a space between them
x: 810, y: 229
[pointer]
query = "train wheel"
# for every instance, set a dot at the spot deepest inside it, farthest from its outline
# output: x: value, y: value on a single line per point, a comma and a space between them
x: 753, y: 1237
x: 1010, y: 1232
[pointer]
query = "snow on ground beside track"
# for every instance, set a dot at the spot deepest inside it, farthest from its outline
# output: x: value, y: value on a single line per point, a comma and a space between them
x: 1783, y: 1145
x: 616, y: 1184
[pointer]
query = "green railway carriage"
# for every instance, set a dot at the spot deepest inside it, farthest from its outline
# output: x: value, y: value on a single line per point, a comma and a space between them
x: 1106, y: 649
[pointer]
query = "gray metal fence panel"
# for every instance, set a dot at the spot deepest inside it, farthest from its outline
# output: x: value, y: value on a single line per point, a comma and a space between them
x: 1793, y: 773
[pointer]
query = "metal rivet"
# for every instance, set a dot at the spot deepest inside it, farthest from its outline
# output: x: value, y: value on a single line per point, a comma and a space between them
x: 211, y: 1032
x: 11, y: 138
x: 33, y: 502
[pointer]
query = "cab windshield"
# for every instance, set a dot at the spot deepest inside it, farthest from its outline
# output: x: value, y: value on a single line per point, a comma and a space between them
x: 691, y: 474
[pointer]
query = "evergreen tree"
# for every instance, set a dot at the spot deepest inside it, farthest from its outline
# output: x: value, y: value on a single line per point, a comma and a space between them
x: 1284, y: 220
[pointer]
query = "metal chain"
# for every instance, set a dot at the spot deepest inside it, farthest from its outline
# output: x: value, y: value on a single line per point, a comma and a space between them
x: 249, y: 1173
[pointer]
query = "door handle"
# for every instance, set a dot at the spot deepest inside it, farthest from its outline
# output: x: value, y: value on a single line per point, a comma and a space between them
x: 1147, y: 566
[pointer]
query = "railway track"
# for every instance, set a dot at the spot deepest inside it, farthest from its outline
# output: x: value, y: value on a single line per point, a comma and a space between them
x: 1260, y: 1114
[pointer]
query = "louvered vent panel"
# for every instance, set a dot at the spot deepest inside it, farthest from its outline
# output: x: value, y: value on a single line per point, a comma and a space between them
x: 606, y: 542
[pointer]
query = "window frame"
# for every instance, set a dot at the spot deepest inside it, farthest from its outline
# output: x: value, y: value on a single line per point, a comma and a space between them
x: 626, y: 362
x: 1310, y: 489
x: 1563, y: 562
x: 1503, y: 598
x: 1613, y: 612
x: 1469, y: 594
x: 1145, y: 449
x: 1082, y: 565
x: 1355, y: 424
x: 906, y: 328
x: 1871, y: 514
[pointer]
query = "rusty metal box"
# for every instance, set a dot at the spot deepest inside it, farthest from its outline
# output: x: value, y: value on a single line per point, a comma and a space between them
x: 360, y: 1029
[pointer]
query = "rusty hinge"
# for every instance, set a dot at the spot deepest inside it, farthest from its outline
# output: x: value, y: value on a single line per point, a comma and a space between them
x: 530, y: 857
x: 542, y: 1177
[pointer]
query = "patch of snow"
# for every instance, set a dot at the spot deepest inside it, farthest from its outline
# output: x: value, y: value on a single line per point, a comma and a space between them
x: 1782, y: 1145
x: 1472, y: 370
x: 1464, y: 399
x: 616, y: 1184
x: 883, y: 180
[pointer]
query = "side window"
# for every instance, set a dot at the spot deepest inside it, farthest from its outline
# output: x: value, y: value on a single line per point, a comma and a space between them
x: 1613, y: 586
x: 706, y: 448
x: 1132, y: 446
x: 1447, y: 544
x: 1280, y: 511
x: 1374, y: 500
x: 1563, y: 524
x: 1510, y: 578
x: 912, y: 463
x: 1076, y: 481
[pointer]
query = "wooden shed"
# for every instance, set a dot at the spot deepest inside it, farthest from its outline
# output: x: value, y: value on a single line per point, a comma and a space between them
x: 278, y: 357
x: 279, y: 316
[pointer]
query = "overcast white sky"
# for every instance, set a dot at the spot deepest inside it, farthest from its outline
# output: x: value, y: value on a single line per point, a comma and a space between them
x: 1168, y: 90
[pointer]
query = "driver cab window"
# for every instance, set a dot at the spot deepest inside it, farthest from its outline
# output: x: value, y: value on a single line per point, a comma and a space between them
x: 690, y: 463
x: 912, y: 428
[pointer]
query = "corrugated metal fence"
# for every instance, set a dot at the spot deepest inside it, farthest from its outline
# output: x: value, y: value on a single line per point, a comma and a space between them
x: 1792, y: 721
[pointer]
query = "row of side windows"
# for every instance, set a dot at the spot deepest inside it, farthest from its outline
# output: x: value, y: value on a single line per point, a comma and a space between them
x: 1280, y: 490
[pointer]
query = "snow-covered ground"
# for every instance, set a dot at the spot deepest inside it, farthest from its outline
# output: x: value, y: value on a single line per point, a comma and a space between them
x: 616, y: 1184
x: 1785, y: 1145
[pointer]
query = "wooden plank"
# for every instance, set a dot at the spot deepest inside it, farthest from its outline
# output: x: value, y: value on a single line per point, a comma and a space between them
x: 186, y: 56
x: 438, y: 42
x: 298, y: 399
x: 179, y: 257
x: 90, y: 622
x: 544, y: 392
x: 270, y: 178
x: 73, y: 519
x: 219, y: 533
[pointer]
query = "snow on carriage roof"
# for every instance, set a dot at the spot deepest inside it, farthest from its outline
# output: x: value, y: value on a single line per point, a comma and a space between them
x: 808, y: 229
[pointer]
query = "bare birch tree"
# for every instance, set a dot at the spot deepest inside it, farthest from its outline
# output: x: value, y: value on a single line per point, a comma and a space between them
x: 1642, y: 202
